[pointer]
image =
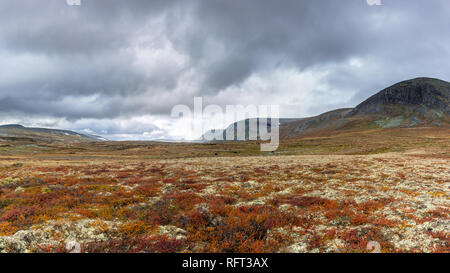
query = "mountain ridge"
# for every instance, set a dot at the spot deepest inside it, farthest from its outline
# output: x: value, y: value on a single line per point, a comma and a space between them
x: 418, y: 102
x: 428, y: 92
x: 17, y: 132
x: 411, y: 103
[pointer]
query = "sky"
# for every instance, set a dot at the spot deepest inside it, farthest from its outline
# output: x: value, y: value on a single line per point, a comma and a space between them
x: 117, y: 68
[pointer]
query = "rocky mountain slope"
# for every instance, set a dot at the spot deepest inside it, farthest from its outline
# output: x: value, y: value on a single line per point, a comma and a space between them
x: 420, y: 102
x: 421, y: 94
x: 16, y: 132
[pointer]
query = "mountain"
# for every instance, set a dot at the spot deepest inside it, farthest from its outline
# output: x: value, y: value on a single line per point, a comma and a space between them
x: 331, y: 120
x: 420, y: 102
x: 211, y: 134
x: 16, y: 132
x: 421, y: 94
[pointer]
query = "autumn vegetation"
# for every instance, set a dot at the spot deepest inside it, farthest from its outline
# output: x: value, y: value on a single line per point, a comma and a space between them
x: 315, y: 194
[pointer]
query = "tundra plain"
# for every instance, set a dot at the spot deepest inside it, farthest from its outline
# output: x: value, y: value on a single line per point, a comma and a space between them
x: 319, y: 193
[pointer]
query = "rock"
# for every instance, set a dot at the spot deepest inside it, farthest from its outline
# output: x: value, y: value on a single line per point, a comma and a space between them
x: 425, y: 92
x: 172, y: 231
x: 300, y: 247
x: 54, y: 233
x: 19, y: 190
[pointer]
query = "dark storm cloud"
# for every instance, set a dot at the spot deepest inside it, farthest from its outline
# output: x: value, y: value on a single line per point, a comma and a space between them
x: 114, y: 59
x: 263, y: 34
x: 53, y: 27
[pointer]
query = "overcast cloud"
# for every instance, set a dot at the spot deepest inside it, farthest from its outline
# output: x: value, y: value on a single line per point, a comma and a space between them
x: 116, y: 68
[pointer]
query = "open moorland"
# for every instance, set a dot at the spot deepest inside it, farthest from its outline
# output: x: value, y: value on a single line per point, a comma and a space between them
x: 317, y: 193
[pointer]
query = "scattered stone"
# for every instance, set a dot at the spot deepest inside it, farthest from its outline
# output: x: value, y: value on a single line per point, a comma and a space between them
x: 19, y: 190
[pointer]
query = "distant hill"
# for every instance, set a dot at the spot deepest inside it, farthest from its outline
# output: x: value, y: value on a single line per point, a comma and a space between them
x: 420, y: 102
x: 16, y: 132
x: 327, y: 121
x: 244, y: 124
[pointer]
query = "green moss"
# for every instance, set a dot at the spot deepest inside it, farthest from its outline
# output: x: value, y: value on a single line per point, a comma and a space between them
x: 46, y: 190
